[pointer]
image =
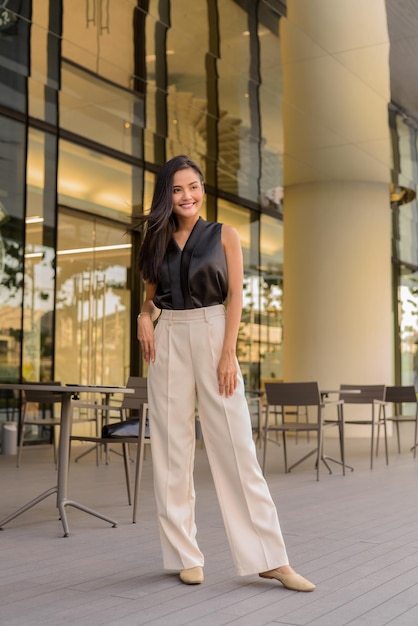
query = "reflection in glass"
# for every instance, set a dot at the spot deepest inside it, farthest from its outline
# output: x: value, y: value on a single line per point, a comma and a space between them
x: 234, y: 124
x: 93, y: 182
x: 406, y: 237
x: 408, y: 325
x: 405, y: 249
x: 39, y: 281
x: 11, y: 295
x: 271, y: 96
x: 187, y: 41
x: 406, y: 214
x: 12, y: 182
x: 38, y: 310
x: 39, y: 63
x: 149, y: 184
x: 404, y: 133
x: 93, y: 301
x: 261, y: 333
x: 14, y: 53
x: 102, y: 112
x: 99, y: 36
x: 271, y: 278
x: 151, y: 24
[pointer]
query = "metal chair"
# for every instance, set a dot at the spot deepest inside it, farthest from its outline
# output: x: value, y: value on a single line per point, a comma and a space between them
x: 281, y: 396
x: 133, y: 405
x: 374, y: 396
x: 399, y: 396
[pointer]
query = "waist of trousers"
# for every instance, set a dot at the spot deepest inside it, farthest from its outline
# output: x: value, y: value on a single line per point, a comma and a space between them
x: 192, y: 315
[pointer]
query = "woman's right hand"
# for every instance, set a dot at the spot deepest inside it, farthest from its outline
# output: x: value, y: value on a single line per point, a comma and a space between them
x: 146, y: 337
x: 145, y: 326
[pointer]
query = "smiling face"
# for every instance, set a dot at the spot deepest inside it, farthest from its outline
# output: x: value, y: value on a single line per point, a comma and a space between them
x: 188, y: 194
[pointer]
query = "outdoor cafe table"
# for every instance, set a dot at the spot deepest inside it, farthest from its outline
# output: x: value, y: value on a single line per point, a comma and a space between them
x: 65, y: 393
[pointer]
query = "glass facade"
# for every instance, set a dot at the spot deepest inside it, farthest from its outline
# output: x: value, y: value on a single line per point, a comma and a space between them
x: 12, y: 245
x: 94, y: 97
x: 405, y: 248
x: 92, y: 300
x: 39, y: 257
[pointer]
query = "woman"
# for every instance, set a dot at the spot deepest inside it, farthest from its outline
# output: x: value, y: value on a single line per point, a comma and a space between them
x: 191, y: 267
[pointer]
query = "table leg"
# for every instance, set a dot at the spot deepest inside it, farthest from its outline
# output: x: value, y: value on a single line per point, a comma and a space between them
x: 342, y: 445
x: 62, y: 487
x: 27, y: 506
x: 63, y: 464
x: 63, y: 503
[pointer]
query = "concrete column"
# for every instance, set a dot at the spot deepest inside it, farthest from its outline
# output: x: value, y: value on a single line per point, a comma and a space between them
x: 337, y: 284
x: 337, y: 223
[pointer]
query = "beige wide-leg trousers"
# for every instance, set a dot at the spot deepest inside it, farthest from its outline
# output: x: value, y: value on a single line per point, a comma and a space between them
x: 188, y: 348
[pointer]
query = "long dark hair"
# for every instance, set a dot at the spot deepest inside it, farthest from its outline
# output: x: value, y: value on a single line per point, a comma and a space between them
x: 160, y: 223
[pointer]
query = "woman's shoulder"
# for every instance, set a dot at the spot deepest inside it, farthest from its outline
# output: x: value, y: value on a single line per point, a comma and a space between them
x: 227, y: 228
x: 229, y: 233
x: 210, y: 227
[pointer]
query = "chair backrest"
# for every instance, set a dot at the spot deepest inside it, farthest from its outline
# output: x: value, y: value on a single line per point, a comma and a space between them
x: 43, y: 397
x: 399, y: 394
x: 362, y: 394
x: 134, y: 401
x: 293, y: 394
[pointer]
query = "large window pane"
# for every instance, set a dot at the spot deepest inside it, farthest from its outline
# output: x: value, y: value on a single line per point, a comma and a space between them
x: 271, y: 96
x: 39, y: 60
x: 14, y: 53
x: 45, y: 59
x: 99, y: 37
x: 93, y: 301
x: 408, y: 325
x: 39, y: 281
x: 96, y: 183
x: 95, y: 109
x: 271, y: 271
x: 234, y: 102
x: 151, y: 87
x: 12, y: 184
x: 406, y: 215
x: 187, y: 42
x: 405, y: 143
x: 405, y: 250
x: 407, y: 244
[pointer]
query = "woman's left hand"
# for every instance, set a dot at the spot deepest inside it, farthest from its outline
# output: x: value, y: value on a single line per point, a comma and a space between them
x: 146, y: 338
x: 227, y: 374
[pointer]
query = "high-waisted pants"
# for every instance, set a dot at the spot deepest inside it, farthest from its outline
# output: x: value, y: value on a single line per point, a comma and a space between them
x: 188, y: 348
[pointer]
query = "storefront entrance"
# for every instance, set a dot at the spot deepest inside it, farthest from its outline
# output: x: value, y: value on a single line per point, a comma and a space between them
x: 92, y: 331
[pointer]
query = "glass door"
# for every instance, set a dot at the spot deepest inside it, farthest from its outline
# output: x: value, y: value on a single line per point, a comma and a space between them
x: 92, y: 335
x: 408, y: 325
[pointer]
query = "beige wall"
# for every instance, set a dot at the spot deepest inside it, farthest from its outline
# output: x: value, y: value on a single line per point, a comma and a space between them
x: 337, y: 284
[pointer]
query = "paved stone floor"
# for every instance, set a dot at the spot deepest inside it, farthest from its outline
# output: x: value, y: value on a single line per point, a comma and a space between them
x: 356, y: 537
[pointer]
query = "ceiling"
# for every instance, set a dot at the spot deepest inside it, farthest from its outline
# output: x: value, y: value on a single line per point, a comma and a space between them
x: 402, y: 17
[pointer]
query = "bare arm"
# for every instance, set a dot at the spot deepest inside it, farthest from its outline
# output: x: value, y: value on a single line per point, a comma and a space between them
x: 145, y: 325
x: 227, y: 367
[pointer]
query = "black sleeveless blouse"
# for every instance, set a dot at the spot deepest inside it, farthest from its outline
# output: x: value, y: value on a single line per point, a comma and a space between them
x: 196, y: 276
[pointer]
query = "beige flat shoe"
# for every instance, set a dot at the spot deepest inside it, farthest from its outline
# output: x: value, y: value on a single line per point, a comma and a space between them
x: 295, y: 582
x: 192, y: 576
